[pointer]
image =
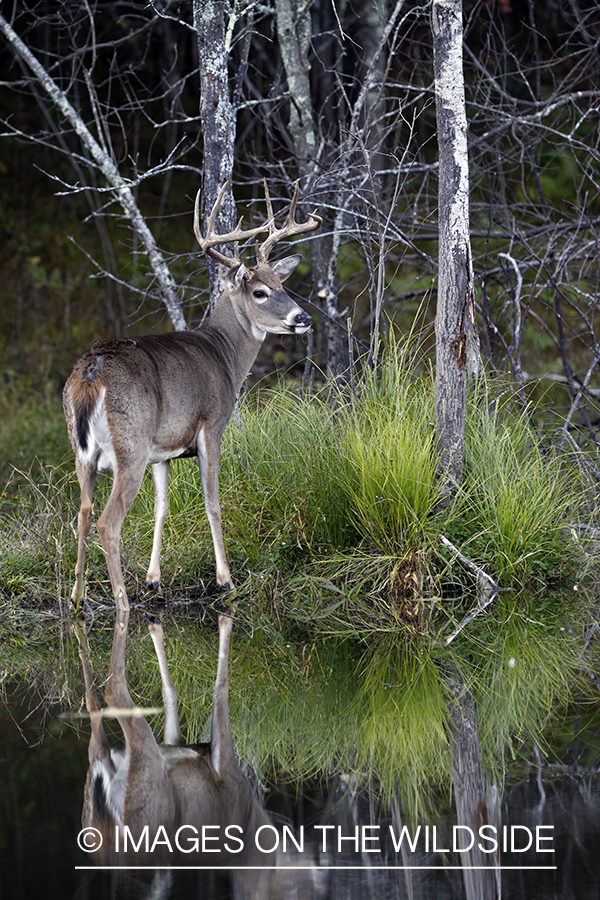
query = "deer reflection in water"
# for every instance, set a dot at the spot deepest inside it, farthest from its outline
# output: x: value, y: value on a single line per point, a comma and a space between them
x: 166, y: 794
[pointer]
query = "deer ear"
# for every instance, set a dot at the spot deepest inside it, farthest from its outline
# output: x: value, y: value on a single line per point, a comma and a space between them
x: 237, y: 274
x: 283, y: 268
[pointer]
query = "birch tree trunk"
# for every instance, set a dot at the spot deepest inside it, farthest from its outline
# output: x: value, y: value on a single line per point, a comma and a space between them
x: 456, y: 342
x: 105, y: 163
x: 469, y: 789
x: 294, y: 33
x: 218, y: 118
x: 456, y: 358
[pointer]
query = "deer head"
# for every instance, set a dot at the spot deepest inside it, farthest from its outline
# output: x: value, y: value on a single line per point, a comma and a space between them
x: 258, y: 290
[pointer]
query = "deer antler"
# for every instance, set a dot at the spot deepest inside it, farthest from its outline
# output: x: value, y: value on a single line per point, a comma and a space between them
x: 209, y: 242
x: 290, y: 228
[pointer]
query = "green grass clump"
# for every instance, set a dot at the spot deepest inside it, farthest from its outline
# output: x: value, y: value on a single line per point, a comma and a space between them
x: 516, y: 501
x: 388, y: 475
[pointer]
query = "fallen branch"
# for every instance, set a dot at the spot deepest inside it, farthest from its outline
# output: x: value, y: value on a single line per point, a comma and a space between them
x: 487, y: 589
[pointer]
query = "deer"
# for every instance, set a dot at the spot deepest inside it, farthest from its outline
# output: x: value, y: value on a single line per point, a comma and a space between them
x: 130, y: 403
x: 170, y: 804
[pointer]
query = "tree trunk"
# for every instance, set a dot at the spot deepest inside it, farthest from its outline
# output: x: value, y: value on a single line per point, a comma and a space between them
x: 456, y: 342
x: 218, y: 118
x: 294, y: 33
x: 469, y: 788
x: 457, y: 356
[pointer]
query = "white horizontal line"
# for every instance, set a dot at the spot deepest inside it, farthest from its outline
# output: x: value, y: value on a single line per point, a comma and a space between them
x: 296, y: 868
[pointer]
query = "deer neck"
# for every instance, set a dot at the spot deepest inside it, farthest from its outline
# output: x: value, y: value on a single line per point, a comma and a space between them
x: 235, y: 327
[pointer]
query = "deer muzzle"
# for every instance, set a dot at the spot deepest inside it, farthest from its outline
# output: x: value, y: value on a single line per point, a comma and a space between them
x: 301, y: 323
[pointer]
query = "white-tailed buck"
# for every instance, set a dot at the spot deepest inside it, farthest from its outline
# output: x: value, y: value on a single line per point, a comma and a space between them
x: 162, y: 805
x: 148, y: 400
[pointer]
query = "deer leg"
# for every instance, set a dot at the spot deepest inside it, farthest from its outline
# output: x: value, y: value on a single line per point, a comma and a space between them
x: 149, y: 797
x: 127, y: 482
x: 209, y: 453
x: 221, y: 742
x: 172, y: 733
x: 160, y: 478
x: 99, y: 747
x: 86, y: 475
x: 99, y: 754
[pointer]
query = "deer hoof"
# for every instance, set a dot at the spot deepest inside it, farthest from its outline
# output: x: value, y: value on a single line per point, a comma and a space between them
x: 152, y: 585
x: 155, y: 626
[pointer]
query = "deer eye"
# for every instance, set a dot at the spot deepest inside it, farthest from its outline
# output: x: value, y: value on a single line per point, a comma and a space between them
x: 260, y: 295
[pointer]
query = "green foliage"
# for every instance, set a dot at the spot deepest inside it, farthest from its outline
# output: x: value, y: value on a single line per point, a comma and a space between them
x: 400, y: 703
x: 527, y: 674
x: 389, y: 471
x: 516, y: 499
x: 31, y: 425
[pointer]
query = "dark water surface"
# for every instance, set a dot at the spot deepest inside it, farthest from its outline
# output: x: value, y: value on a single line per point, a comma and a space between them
x: 43, y: 765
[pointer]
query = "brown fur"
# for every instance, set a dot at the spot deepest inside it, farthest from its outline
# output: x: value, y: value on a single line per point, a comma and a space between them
x: 265, y: 275
x: 81, y: 396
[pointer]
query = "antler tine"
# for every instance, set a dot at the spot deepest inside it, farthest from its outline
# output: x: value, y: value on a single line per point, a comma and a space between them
x: 209, y: 242
x: 290, y: 228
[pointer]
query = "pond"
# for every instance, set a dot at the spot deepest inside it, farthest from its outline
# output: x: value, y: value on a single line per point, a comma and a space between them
x: 343, y: 837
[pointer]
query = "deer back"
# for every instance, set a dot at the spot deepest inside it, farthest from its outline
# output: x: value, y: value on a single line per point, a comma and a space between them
x: 155, y: 389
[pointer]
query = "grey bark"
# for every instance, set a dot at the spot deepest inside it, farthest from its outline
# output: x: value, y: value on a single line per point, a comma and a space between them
x: 354, y: 141
x: 469, y: 788
x: 294, y: 32
x: 373, y: 16
x: 456, y: 342
x: 103, y: 160
x: 218, y: 118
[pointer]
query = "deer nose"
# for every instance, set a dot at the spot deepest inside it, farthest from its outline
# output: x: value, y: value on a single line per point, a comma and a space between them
x: 302, y: 320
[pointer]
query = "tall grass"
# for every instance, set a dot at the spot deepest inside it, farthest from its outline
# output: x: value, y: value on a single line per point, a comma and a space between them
x: 517, y: 498
x: 389, y: 471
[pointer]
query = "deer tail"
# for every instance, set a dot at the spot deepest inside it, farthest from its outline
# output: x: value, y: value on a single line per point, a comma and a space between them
x: 82, y: 397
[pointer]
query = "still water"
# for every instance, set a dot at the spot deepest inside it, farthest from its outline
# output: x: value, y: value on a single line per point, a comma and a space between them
x: 43, y: 765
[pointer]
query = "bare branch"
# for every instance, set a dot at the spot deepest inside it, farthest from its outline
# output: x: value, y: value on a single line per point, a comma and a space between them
x: 107, y: 166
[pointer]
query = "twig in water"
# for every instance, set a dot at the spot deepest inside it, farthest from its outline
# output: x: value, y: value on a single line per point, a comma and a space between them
x: 487, y: 589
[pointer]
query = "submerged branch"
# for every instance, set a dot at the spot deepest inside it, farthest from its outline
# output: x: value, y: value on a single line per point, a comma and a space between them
x: 487, y: 589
